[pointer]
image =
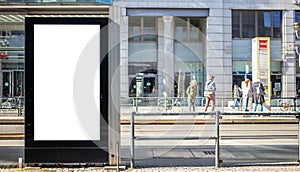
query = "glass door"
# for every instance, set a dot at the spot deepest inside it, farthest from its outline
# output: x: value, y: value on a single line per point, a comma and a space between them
x: 13, y: 83
x: 7, y: 84
x: 18, y: 83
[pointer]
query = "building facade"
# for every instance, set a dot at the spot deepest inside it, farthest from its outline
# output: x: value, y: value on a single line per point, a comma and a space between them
x: 169, y: 43
x: 161, y: 39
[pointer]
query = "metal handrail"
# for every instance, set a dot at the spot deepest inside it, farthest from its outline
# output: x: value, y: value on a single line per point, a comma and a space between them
x: 216, y: 137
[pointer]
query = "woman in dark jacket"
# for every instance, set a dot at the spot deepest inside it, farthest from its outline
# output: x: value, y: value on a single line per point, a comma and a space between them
x: 258, y: 95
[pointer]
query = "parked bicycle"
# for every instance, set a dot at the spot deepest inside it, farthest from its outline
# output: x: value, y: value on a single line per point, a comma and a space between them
x: 168, y: 104
x: 291, y: 105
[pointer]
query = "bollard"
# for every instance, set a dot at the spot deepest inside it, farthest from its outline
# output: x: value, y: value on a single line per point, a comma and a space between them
x: 118, y: 158
x: 20, y: 163
x: 217, y: 149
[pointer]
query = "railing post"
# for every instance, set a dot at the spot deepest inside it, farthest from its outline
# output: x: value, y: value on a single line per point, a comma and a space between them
x: 298, y: 138
x: 217, y: 148
x: 136, y: 104
x: 132, y: 141
x: 294, y: 99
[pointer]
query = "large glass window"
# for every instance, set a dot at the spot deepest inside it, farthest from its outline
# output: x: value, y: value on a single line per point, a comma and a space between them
x: 236, y: 24
x: 249, y: 24
x: 142, y: 29
x: 189, y: 29
x: 297, y: 16
x: 134, y: 29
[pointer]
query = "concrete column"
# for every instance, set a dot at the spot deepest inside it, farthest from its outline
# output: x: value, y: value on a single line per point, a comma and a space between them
x: 114, y: 140
x: 288, y: 79
x: 124, y: 92
x: 165, y: 62
x: 218, y: 59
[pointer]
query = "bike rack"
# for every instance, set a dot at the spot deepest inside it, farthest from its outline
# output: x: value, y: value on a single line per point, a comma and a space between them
x: 216, y: 137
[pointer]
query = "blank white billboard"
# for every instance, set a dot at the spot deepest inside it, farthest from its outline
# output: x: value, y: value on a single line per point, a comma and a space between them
x: 57, y: 50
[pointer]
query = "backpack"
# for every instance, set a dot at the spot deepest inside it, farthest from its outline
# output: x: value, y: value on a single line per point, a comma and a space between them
x: 240, y: 93
x: 260, y: 90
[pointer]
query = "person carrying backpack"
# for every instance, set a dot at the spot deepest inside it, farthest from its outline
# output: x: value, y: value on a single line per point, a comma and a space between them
x: 258, y: 93
x: 237, y: 94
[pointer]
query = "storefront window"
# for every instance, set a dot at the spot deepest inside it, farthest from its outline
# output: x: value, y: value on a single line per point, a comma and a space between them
x: 134, y: 29
x: 248, y: 24
x: 189, y: 29
x: 181, y: 29
x: 142, y: 29
x: 256, y: 23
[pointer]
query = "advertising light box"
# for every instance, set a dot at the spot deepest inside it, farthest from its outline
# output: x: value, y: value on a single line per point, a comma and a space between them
x: 66, y: 90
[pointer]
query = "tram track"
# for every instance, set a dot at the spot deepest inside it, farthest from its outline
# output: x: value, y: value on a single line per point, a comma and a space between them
x: 12, y: 128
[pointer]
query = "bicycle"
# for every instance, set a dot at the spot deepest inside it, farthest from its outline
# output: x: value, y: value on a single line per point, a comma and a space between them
x: 286, y: 106
x: 167, y: 104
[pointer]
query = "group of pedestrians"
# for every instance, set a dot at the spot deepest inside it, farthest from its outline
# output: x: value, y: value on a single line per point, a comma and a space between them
x: 249, y: 91
x: 254, y: 90
x: 209, y: 93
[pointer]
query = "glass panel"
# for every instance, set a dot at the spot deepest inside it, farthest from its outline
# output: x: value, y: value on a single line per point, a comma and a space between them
x: 144, y: 67
x: 132, y: 86
x: 236, y: 24
x: 264, y: 23
x: 248, y: 24
x: 19, y: 83
x: 181, y: 29
x: 7, y: 84
x: 149, y: 83
x: 297, y: 16
x: 276, y: 24
x: 134, y: 29
x: 149, y: 29
x: 195, y: 29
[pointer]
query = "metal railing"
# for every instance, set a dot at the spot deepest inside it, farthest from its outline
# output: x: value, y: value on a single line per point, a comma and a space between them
x: 215, y: 137
x: 222, y: 103
x: 12, y: 103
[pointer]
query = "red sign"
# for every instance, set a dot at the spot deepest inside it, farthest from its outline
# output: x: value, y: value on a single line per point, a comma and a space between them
x: 263, y: 44
x: 3, y: 55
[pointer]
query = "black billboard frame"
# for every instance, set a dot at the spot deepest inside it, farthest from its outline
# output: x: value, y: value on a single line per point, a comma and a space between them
x: 65, y: 152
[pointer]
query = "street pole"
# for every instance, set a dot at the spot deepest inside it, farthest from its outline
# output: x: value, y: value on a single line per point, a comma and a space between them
x: 132, y: 141
x: 217, y: 148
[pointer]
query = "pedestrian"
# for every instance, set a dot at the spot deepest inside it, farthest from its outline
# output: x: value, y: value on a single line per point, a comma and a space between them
x: 246, y: 86
x: 209, y: 92
x: 191, y: 91
x: 258, y: 93
x: 237, y: 94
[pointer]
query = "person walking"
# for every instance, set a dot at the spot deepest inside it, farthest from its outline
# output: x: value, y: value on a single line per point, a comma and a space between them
x: 209, y: 92
x: 191, y: 91
x: 237, y: 94
x: 246, y: 86
x: 258, y: 91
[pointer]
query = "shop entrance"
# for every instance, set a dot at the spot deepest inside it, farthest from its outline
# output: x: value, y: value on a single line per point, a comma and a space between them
x: 13, y: 83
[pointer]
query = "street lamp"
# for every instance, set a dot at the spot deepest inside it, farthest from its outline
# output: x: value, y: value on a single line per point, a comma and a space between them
x: 296, y: 29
